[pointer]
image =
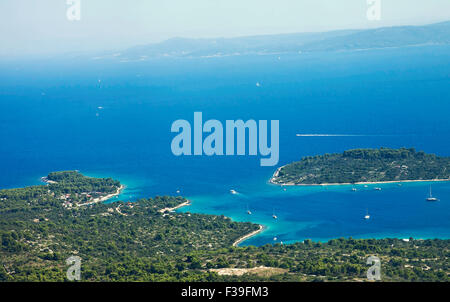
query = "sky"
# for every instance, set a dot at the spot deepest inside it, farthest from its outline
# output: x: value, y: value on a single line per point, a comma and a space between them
x: 41, y: 27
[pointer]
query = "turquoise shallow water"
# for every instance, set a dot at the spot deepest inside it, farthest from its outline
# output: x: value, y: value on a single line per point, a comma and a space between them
x: 322, y: 213
x: 50, y: 120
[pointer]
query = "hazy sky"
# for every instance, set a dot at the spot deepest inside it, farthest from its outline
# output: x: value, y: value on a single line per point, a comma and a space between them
x: 41, y: 26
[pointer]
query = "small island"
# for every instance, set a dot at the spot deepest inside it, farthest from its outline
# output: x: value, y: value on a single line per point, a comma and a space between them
x: 363, y: 166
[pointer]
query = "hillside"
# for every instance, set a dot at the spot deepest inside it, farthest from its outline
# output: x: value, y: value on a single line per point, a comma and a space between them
x: 341, y: 40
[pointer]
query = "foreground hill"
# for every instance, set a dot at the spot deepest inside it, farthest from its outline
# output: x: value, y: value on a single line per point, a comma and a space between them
x: 146, y: 241
x: 364, y: 165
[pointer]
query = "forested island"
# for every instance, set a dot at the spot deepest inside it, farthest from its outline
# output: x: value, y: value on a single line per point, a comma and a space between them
x: 364, y: 166
x: 142, y: 241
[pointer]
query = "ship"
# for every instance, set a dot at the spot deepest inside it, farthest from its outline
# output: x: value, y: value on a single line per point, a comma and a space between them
x: 431, y: 198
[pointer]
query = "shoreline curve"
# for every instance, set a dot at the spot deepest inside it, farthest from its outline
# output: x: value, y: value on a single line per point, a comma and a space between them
x: 245, y: 237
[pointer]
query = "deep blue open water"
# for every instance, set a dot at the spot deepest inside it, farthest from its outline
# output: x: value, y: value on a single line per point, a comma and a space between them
x: 50, y: 120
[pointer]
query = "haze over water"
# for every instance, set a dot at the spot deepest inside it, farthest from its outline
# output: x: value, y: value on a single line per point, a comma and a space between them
x: 113, y: 119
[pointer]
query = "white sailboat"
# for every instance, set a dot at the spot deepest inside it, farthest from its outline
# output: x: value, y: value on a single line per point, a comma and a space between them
x: 431, y: 198
x: 273, y: 215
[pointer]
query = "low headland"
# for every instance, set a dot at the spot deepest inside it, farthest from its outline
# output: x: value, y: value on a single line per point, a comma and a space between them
x: 90, y: 190
x: 364, y: 166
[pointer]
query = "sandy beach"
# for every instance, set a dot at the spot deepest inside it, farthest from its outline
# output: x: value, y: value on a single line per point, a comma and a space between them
x: 272, y: 181
x: 104, y: 198
x: 245, y: 237
x: 184, y: 204
x: 360, y: 183
x: 46, y: 180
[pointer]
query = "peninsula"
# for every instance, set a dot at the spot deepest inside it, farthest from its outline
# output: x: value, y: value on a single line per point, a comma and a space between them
x: 76, y: 189
x: 363, y: 166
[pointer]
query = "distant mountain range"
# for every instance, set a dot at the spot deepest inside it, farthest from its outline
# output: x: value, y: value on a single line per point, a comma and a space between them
x: 342, y: 40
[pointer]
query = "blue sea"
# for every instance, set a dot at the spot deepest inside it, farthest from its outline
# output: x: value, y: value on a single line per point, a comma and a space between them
x: 112, y: 119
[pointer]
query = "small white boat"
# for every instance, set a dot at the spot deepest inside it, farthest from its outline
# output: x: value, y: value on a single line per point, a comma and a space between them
x: 233, y: 192
x: 275, y: 238
x: 248, y: 211
x: 367, y: 217
x: 431, y: 198
x: 273, y: 215
x: 354, y: 189
x: 378, y: 189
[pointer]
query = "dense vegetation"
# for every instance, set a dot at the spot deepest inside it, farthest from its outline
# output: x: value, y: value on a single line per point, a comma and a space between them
x: 63, y: 188
x: 137, y: 242
x: 365, y: 165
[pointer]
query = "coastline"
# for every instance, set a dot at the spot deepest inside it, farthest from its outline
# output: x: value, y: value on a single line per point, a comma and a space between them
x: 275, y: 174
x: 109, y: 196
x: 245, y: 237
x: 184, y: 204
x: 47, y: 181
x: 361, y: 183
x: 104, y: 198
